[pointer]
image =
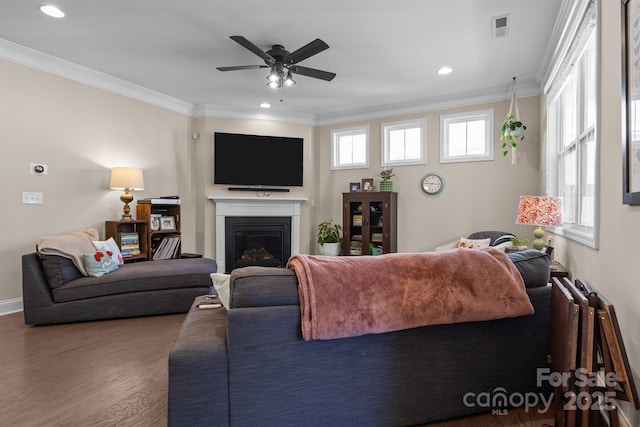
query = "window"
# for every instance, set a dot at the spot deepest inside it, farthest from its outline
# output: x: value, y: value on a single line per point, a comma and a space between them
x: 350, y: 148
x: 466, y: 137
x: 403, y: 143
x: 572, y: 137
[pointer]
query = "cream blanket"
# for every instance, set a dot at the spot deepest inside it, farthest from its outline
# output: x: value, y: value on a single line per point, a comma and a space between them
x: 72, y: 246
x: 349, y: 296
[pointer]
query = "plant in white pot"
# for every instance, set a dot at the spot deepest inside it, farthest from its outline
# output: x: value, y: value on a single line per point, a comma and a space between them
x: 330, y: 238
x: 511, y: 133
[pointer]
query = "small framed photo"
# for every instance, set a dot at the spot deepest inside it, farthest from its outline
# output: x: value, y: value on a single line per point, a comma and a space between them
x: 367, y: 184
x: 154, y: 222
x: 167, y: 223
x: 354, y: 187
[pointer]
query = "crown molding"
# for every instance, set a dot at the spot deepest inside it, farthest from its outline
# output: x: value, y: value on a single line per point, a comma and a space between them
x: 50, y: 64
x: 221, y: 111
x: 496, y: 94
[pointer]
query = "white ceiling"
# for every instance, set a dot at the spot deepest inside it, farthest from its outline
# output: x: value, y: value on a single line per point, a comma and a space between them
x: 385, y: 53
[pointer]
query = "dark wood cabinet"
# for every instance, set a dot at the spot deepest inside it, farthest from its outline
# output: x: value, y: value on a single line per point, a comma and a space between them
x: 369, y: 222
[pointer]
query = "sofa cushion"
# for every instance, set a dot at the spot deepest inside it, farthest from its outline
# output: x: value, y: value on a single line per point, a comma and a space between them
x: 263, y: 286
x: 99, y: 263
x: 534, y: 266
x: 140, y: 277
x: 59, y: 270
x: 110, y: 245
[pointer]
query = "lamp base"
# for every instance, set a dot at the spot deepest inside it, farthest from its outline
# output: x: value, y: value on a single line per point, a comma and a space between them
x: 126, y: 199
x: 538, y: 243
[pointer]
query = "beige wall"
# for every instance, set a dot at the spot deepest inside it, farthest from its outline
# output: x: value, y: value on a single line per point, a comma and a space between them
x: 80, y: 132
x: 477, y: 196
x: 610, y: 268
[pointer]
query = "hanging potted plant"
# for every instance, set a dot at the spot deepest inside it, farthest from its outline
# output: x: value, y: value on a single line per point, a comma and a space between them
x: 330, y: 238
x: 386, y: 184
x: 511, y: 133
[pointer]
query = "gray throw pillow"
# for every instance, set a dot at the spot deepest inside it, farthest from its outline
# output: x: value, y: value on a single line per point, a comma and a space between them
x: 534, y: 266
x: 59, y: 270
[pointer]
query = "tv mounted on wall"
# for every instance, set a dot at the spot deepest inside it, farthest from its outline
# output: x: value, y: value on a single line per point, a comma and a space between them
x: 257, y: 160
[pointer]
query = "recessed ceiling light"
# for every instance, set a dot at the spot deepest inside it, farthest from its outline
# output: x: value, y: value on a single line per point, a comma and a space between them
x: 51, y: 10
x: 265, y: 105
x: 445, y: 70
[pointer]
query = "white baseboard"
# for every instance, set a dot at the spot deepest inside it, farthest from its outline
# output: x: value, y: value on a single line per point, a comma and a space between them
x: 10, y: 306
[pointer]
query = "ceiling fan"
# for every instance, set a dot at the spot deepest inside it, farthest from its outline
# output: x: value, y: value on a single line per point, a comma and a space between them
x: 282, y: 63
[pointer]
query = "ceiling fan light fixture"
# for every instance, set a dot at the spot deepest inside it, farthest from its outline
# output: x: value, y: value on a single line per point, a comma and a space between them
x: 445, y: 70
x: 288, y: 81
x: 274, y: 84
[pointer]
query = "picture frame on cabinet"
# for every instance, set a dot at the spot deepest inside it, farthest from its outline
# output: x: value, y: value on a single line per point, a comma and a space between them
x: 154, y: 222
x: 367, y: 184
x: 354, y: 187
x: 167, y: 223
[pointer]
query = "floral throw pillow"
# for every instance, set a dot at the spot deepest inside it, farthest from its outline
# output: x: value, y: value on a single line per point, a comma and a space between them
x: 474, y: 243
x: 110, y: 245
x: 99, y: 263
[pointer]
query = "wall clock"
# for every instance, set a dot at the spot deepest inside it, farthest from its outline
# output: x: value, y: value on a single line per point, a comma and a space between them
x: 432, y: 183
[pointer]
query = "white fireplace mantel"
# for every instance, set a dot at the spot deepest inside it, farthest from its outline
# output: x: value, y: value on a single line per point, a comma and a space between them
x: 256, y: 206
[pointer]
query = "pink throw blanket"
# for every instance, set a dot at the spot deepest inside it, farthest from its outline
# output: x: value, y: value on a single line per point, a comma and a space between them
x: 349, y: 296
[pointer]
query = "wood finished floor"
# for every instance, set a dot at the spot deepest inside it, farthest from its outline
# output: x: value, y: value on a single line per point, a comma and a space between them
x: 114, y: 373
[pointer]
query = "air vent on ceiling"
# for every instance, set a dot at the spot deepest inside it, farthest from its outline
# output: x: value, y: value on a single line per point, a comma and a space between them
x: 500, y: 26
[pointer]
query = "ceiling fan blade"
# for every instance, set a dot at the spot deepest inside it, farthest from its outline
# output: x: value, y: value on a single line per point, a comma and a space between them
x: 312, y: 72
x: 305, y: 51
x: 242, y: 67
x: 253, y: 48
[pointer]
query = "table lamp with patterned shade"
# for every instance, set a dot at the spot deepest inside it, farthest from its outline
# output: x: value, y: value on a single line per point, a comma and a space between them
x: 127, y: 179
x: 539, y: 211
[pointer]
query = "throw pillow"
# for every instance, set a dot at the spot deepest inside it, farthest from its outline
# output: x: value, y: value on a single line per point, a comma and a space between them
x: 99, y: 263
x: 112, y: 246
x: 473, y: 243
x: 503, y: 239
x: 534, y: 266
x: 59, y: 270
x: 221, y: 285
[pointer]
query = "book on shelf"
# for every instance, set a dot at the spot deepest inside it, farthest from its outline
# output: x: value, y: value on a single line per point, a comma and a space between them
x: 129, y: 244
x: 167, y: 248
x: 357, y: 220
x: 167, y: 200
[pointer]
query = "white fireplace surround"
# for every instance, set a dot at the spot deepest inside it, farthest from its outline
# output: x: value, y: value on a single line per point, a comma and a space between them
x: 255, y: 206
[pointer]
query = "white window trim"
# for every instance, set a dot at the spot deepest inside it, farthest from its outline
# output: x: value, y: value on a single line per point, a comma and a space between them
x: 404, y: 124
x: 335, y: 133
x: 588, y: 236
x: 445, y: 119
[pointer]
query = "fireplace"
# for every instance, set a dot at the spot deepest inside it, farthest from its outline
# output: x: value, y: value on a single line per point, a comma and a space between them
x: 251, y: 207
x: 262, y: 241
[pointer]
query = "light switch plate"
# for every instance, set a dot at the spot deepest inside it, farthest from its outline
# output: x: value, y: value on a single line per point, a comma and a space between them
x: 31, y: 198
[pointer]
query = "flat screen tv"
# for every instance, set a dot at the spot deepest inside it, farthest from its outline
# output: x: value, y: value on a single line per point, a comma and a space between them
x: 257, y: 160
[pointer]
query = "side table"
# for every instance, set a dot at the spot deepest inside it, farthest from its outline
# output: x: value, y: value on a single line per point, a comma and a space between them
x: 558, y: 270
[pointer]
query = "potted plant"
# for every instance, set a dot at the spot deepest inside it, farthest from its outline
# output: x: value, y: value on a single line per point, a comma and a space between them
x: 386, y: 184
x: 330, y: 238
x: 519, y: 244
x: 512, y: 131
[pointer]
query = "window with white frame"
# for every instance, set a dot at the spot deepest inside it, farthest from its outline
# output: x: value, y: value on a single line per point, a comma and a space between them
x: 403, y: 143
x: 350, y: 148
x: 572, y: 137
x: 466, y: 137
